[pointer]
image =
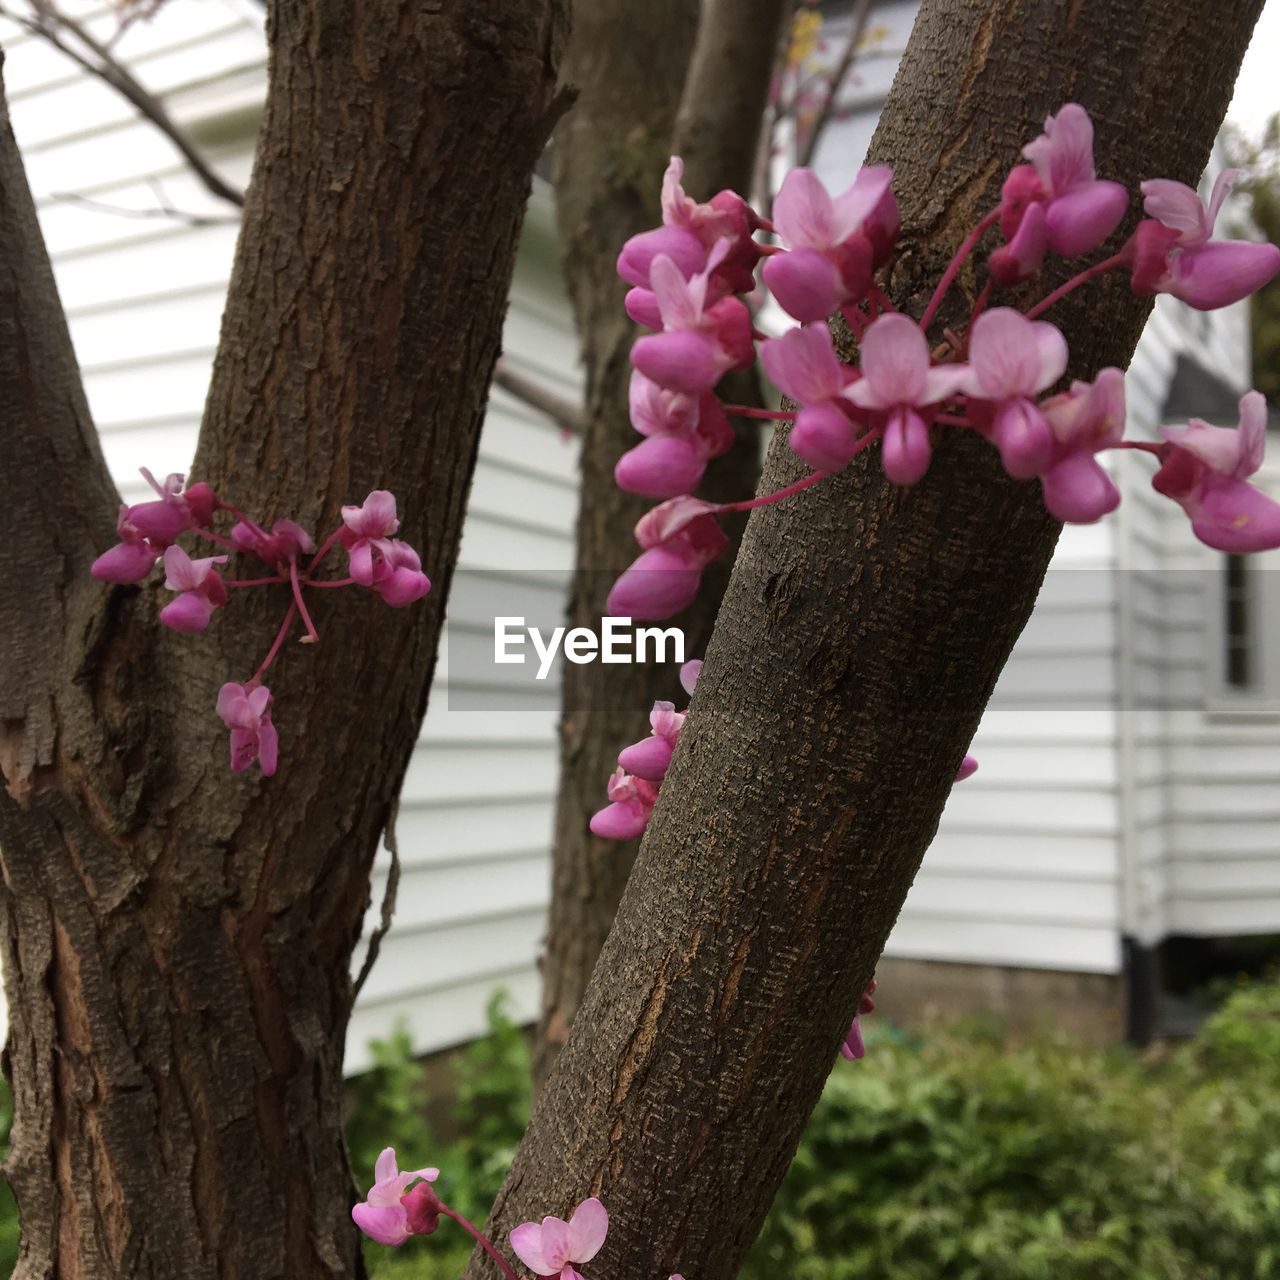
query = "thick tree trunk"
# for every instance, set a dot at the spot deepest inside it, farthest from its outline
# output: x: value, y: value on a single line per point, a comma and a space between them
x: 857, y: 645
x: 176, y: 939
x: 629, y: 63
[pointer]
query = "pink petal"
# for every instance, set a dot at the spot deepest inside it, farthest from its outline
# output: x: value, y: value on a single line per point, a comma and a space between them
x: 160, y: 521
x: 906, y: 447
x: 526, y: 1240
x: 1222, y: 185
x: 1236, y: 518
x: 863, y: 198
x: 803, y: 212
x: 385, y: 1167
x: 677, y: 243
x: 679, y: 299
x: 1023, y: 438
x: 259, y: 701
x: 660, y: 467
x: 1063, y: 154
x: 824, y: 436
x: 268, y: 749
x: 1022, y: 257
x: 1253, y: 433
x: 233, y: 707
x: 657, y: 411
x: 555, y: 1241
x: 360, y: 564
x: 1011, y: 357
x: 1078, y: 491
x: 1178, y: 208
x: 689, y: 674
x: 895, y: 363
x: 803, y: 364
x: 658, y: 584
x: 1221, y: 449
x: 125, y: 562
x: 642, y: 306
x: 618, y: 821
x: 189, y: 612
x: 806, y: 284
x: 404, y: 587
x: 1081, y: 220
x: 647, y: 759
x: 244, y: 749
x: 968, y: 767
x: 1226, y: 271
x: 682, y: 360
x: 387, y: 1224
x: 587, y: 1229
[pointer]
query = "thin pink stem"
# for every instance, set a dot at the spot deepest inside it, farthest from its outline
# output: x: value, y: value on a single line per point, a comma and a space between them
x: 882, y: 299
x: 484, y: 1242
x: 216, y: 537
x: 240, y: 515
x: 953, y: 267
x: 312, y: 635
x: 1116, y: 260
x: 252, y: 582
x: 855, y: 319
x: 746, y: 411
x: 759, y: 335
x: 256, y: 678
x: 807, y: 482
x: 324, y: 549
x: 764, y: 224
x: 979, y: 306
x: 1143, y: 446
x: 331, y: 582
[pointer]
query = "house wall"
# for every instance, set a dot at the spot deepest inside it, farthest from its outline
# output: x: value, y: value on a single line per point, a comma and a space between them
x: 144, y: 299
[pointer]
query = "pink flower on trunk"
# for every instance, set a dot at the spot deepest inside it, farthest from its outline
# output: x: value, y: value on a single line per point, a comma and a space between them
x: 147, y: 528
x: 650, y: 757
x: 833, y: 244
x: 902, y: 389
x: 803, y: 365
x: 286, y: 542
x: 201, y: 588
x: 378, y: 561
x: 689, y: 674
x: 854, y: 1047
x: 1011, y: 360
x: 1171, y: 251
x: 247, y: 713
x: 683, y: 433
x: 1083, y: 422
x: 680, y: 537
x: 630, y: 806
x: 556, y: 1248
x: 700, y: 341
x: 1205, y: 468
x: 382, y: 1215
x: 968, y: 767
x: 1057, y: 201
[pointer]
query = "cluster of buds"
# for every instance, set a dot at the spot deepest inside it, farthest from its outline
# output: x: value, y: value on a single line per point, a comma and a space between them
x: 403, y: 1204
x: 149, y: 532
x: 995, y: 375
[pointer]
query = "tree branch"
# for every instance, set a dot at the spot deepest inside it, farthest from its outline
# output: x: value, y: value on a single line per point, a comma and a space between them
x: 567, y: 414
x: 858, y: 29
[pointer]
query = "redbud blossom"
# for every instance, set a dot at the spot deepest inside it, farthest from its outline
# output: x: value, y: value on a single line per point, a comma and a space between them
x: 247, y: 713
x: 831, y: 253
x: 286, y: 541
x: 680, y: 537
x: 1057, y: 201
x: 147, y: 528
x: 1011, y: 360
x: 201, y: 588
x: 650, y: 757
x: 1204, y: 469
x: 382, y: 1215
x: 901, y: 388
x: 689, y: 674
x: 631, y: 802
x: 1083, y: 421
x: 803, y: 365
x: 1171, y: 252
x: 683, y: 434
x: 554, y: 1248
x: 968, y: 767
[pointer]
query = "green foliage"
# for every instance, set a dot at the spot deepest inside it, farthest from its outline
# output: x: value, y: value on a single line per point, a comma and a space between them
x: 8, y: 1210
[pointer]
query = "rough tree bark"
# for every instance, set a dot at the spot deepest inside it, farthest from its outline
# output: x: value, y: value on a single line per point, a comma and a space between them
x: 176, y: 940
x: 626, y: 60
x: 856, y: 647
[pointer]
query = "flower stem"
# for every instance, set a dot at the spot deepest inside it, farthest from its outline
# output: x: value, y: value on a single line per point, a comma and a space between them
x: 480, y: 1239
x: 313, y: 637
x: 331, y: 582
x: 1116, y: 260
x: 216, y: 537
x: 953, y: 267
x: 746, y: 411
x: 252, y: 582
x: 240, y: 515
x: 324, y: 549
x: 256, y: 678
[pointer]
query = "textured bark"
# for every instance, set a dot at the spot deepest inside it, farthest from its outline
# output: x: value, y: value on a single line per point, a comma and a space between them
x: 177, y: 940
x: 626, y: 60
x: 860, y: 638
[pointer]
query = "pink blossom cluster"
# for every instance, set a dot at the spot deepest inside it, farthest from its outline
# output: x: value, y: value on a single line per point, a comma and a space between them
x: 149, y: 531
x: 401, y: 1204
x: 854, y: 1048
x: 997, y: 375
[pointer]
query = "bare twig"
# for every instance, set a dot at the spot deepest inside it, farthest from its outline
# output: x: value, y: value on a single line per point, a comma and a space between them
x: 858, y: 29
x: 161, y: 210
x: 53, y: 25
x: 563, y: 411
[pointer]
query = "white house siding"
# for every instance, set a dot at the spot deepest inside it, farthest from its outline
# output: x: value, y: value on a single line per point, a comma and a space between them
x: 144, y: 298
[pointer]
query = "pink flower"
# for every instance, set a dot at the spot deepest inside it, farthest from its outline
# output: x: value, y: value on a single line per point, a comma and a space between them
x: 854, y: 1047
x: 1204, y: 469
x: 285, y: 543
x: 147, y: 528
x: 650, y: 757
x: 201, y: 588
x: 375, y: 518
x: 1083, y: 422
x: 383, y: 564
x: 631, y: 802
x: 1057, y: 201
x: 247, y: 713
x: 680, y: 537
x: 901, y: 388
x: 683, y: 434
x: 554, y: 1248
x: 382, y: 1215
x: 803, y: 365
x: 726, y: 216
x: 1011, y: 360
x: 689, y: 674
x: 968, y: 767
x: 1171, y: 251
x: 131, y: 559
x: 700, y: 343
x: 833, y: 244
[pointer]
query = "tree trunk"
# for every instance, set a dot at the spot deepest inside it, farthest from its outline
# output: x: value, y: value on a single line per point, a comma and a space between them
x: 176, y: 939
x: 627, y: 62
x: 859, y: 641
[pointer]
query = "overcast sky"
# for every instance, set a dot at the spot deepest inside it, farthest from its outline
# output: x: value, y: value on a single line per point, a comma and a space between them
x: 1257, y: 91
